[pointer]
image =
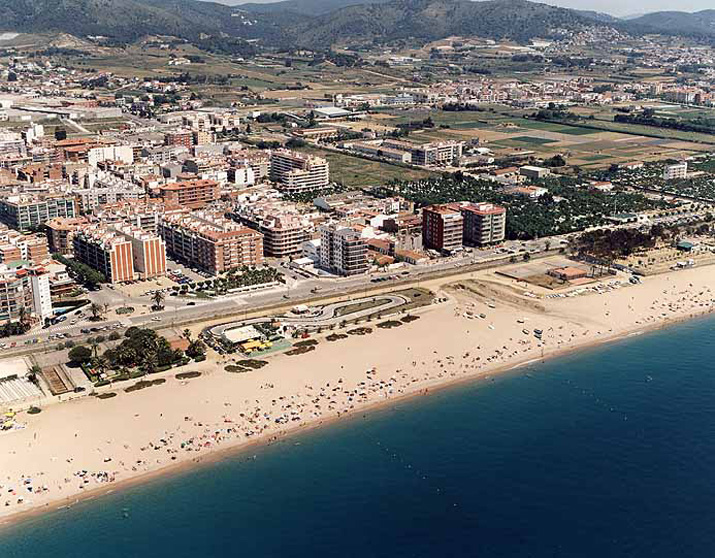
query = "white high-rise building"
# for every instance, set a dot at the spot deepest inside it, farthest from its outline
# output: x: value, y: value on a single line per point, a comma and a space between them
x: 676, y: 172
x: 41, y: 297
x: 297, y: 172
x: 342, y: 250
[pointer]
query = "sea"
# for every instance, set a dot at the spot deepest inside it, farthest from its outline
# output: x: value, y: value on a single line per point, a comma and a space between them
x: 608, y: 452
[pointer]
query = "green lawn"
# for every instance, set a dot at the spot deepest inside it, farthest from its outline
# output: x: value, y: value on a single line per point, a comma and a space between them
x: 355, y: 172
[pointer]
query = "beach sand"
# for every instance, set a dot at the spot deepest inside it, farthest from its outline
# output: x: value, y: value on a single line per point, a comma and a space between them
x: 83, y: 447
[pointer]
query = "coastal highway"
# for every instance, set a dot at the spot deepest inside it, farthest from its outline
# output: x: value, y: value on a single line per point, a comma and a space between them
x: 178, y: 312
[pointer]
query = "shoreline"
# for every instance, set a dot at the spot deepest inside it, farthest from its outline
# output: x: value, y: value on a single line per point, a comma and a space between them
x: 236, y: 449
x: 415, y: 389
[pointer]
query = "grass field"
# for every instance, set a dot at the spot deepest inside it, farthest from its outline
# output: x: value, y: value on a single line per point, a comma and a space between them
x: 532, y: 140
x: 551, y: 127
x: 355, y: 172
x: 596, y: 157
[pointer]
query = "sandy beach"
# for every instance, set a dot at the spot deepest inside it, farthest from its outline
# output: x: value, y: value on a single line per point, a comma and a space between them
x: 75, y: 449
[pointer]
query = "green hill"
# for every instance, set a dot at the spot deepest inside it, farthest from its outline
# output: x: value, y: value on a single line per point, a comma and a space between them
x: 434, y: 19
x: 676, y: 23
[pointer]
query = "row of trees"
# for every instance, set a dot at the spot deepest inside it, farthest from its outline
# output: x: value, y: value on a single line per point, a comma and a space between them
x: 611, y: 244
x: 14, y: 328
x: 80, y: 272
x: 244, y: 276
x: 648, y: 118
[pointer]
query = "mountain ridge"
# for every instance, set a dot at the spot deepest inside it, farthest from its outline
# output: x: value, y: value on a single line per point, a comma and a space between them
x: 289, y: 24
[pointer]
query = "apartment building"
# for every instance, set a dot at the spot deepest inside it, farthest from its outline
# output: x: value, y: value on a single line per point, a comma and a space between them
x: 119, y: 153
x: 442, y: 228
x: 25, y: 212
x: 483, y: 223
x: 297, y: 172
x: 242, y: 175
x: 164, y: 154
x: 40, y: 172
x: 378, y: 149
x: 283, y: 231
x: 342, y: 250
x: 27, y: 247
x: 60, y: 231
x: 211, y: 242
x: 207, y: 168
x: 202, y: 137
x: 9, y: 253
x: 183, y: 138
x: 195, y: 194
x: 283, y: 234
x: 258, y: 161
x: 677, y: 171
x: 437, y: 153
x: 148, y: 251
x: 144, y: 214
x: 105, y: 250
x: 106, y: 188
x: 27, y: 287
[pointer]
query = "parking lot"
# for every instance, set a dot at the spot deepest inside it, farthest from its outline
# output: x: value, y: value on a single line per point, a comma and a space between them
x: 180, y: 270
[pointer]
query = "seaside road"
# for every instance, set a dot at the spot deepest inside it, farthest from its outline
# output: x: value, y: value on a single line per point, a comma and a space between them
x: 325, y: 316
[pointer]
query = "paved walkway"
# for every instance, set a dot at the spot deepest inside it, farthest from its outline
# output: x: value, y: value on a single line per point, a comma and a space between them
x: 323, y: 316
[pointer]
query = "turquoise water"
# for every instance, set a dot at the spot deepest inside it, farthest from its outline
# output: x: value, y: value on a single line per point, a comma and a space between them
x: 608, y: 453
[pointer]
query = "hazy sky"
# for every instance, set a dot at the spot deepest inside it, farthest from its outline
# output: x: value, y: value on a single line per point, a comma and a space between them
x: 614, y: 7
x: 621, y: 8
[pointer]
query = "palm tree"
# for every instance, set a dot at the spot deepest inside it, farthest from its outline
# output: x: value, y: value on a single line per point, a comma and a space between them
x: 94, y: 343
x: 22, y: 315
x: 149, y: 365
x: 101, y: 363
x: 97, y: 310
x: 158, y: 299
x: 32, y: 374
x: 187, y: 334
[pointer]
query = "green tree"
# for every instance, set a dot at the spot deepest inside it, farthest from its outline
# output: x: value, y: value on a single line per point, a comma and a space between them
x: 34, y: 373
x: 97, y: 311
x: 196, y: 348
x: 80, y: 354
x: 158, y: 299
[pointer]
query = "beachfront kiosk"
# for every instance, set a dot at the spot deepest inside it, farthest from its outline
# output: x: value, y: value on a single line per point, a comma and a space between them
x: 247, y: 339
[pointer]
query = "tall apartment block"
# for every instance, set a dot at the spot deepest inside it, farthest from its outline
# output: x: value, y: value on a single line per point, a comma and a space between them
x: 342, y: 250
x: 484, y: 223
x: 148, y: 251
x: 106, y: 251
x: 297, y: 172
x: 60, y: 231
x: 211, y: 242
x: 25, y: 212
x: 283, y: 232
x: 678, y: 171
x: 195, y: 194
x: 24, y: 287
x: 442, y: 228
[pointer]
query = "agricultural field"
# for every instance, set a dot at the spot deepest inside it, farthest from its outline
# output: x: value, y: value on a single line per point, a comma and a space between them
x: 507, y: 133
